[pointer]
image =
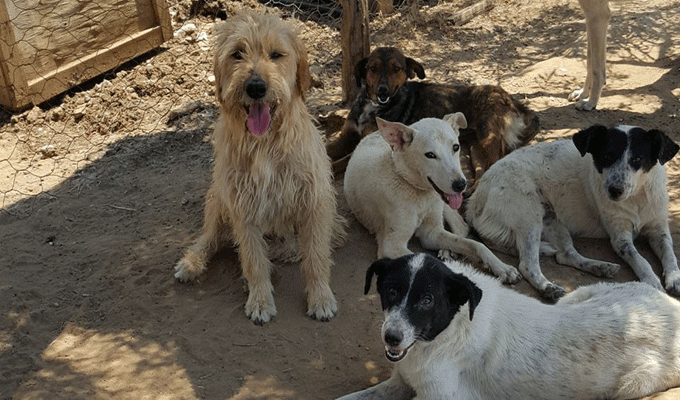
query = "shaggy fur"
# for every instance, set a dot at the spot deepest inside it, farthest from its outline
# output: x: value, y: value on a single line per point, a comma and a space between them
x: 497, y: 122
x: 456, y: 334
x: 605, y: 183
x: 271, y: 174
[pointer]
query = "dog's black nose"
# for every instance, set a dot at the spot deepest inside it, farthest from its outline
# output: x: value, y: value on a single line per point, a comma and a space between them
x: 256, y: 88
x: 383, y: 90
x: 393, y: 338
x: 615, y: 192
x: 459, y: 185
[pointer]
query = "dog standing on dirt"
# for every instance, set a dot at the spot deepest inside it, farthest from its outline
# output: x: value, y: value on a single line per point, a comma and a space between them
x: 407, y: 180
x: 597, y: 15
x: 497, y: 122
x: 272, y: 175
x: 456, y: 334
x: 605, y: 183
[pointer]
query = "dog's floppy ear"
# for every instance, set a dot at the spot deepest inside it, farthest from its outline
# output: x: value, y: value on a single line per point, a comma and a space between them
x: 664, y: 146
x: 586, y: 139
x: 360, y: 71
x: 396, y: 134
x: 457, y: 120
x: 414, y: 68
x: 304, y: 79
x: 463, y: 290
x: 377, y: 268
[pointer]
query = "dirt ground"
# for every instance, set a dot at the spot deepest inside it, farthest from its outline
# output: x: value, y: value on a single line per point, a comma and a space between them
x: 103, y: 188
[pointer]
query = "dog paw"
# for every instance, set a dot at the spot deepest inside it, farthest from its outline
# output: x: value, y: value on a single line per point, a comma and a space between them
x: 187, y: 269
x: 447, y: 255
x: 321, y: 304
x: 673, y: 283
x: 553, y: 292
x: 606, y: 269
x: 653, y: 281
x: 509, y: 275
x: 585, y: 105
x: 260, y: 308
x: 575, y: 95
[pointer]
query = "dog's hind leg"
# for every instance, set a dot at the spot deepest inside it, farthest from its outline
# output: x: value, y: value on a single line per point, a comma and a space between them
x: 215, y: 232
x: 558, y: 235
x: 315, y: 246
x: 662, y: 245
x: 597, y: 15
x: 528, y: 246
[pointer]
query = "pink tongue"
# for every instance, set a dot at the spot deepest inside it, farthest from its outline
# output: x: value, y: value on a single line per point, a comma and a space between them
x: 455, y: 200
x: 258, y: 119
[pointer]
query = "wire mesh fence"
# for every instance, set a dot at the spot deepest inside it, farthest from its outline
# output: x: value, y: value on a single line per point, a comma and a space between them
x: 165, y: 89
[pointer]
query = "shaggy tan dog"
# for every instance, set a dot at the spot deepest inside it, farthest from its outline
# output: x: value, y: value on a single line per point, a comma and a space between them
x: 271, y: 176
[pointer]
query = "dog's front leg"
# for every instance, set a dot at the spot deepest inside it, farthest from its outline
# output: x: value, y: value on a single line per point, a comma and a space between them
x: 392, y: 389
x: 662, y: 245
x: 252, y: 252
x: 440, y: 239
x: 622, y: 242
x: 315, y: 246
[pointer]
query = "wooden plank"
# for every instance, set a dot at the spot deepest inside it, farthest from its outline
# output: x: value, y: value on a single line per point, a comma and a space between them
x: 62, y: 78
x: 53, y: 33
x: 14, y: 90
x: 163, y: 18
x: 355, y: 43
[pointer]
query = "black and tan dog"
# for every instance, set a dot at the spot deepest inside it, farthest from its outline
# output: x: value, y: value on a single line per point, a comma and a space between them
x: 497, y: 122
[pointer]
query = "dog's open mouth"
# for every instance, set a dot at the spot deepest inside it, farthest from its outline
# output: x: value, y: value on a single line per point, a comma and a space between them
x: 382, y: 100
x: 259, y: 117
x: 454, y: 200
x: 395, y: 355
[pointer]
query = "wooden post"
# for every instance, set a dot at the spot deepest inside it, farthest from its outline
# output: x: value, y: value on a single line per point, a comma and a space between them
x: 355, y: 43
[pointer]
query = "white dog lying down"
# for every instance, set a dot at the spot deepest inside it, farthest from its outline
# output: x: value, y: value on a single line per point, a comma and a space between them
x: 605, y: 183
x: 406, y: 180
x: 454, y: 333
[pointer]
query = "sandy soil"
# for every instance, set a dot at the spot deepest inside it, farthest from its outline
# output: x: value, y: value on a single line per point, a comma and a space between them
x: 103, y: 188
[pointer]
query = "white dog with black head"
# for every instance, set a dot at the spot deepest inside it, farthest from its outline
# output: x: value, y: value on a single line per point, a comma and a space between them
x: 605, y: 183
x: 456, y: 334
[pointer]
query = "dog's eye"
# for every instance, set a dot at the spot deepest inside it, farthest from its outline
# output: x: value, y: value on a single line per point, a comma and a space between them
x: 237, y: 55
x: 373, y: 68
x: 430, y: 154
x: 275, y: 55
x: 426, y: 302
x: 397, y: 68
x: 392, y: 294
x: 456, y: 147
x: 636, y: 162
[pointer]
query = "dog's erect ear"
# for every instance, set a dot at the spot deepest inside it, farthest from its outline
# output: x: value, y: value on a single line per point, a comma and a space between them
x: 396, y: 134
x: 457, y: 120
x: 414, y: 68
x: 360, y: 71
x: 585, y: 140
x: 664, y: 146
x: 377, y: 268
x: 463, y: 290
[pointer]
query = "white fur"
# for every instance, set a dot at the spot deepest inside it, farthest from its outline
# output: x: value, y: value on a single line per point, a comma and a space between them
x: 389, y: 192
x: 550, y: 191
x: 597, y: 15
x: 613, y: 341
